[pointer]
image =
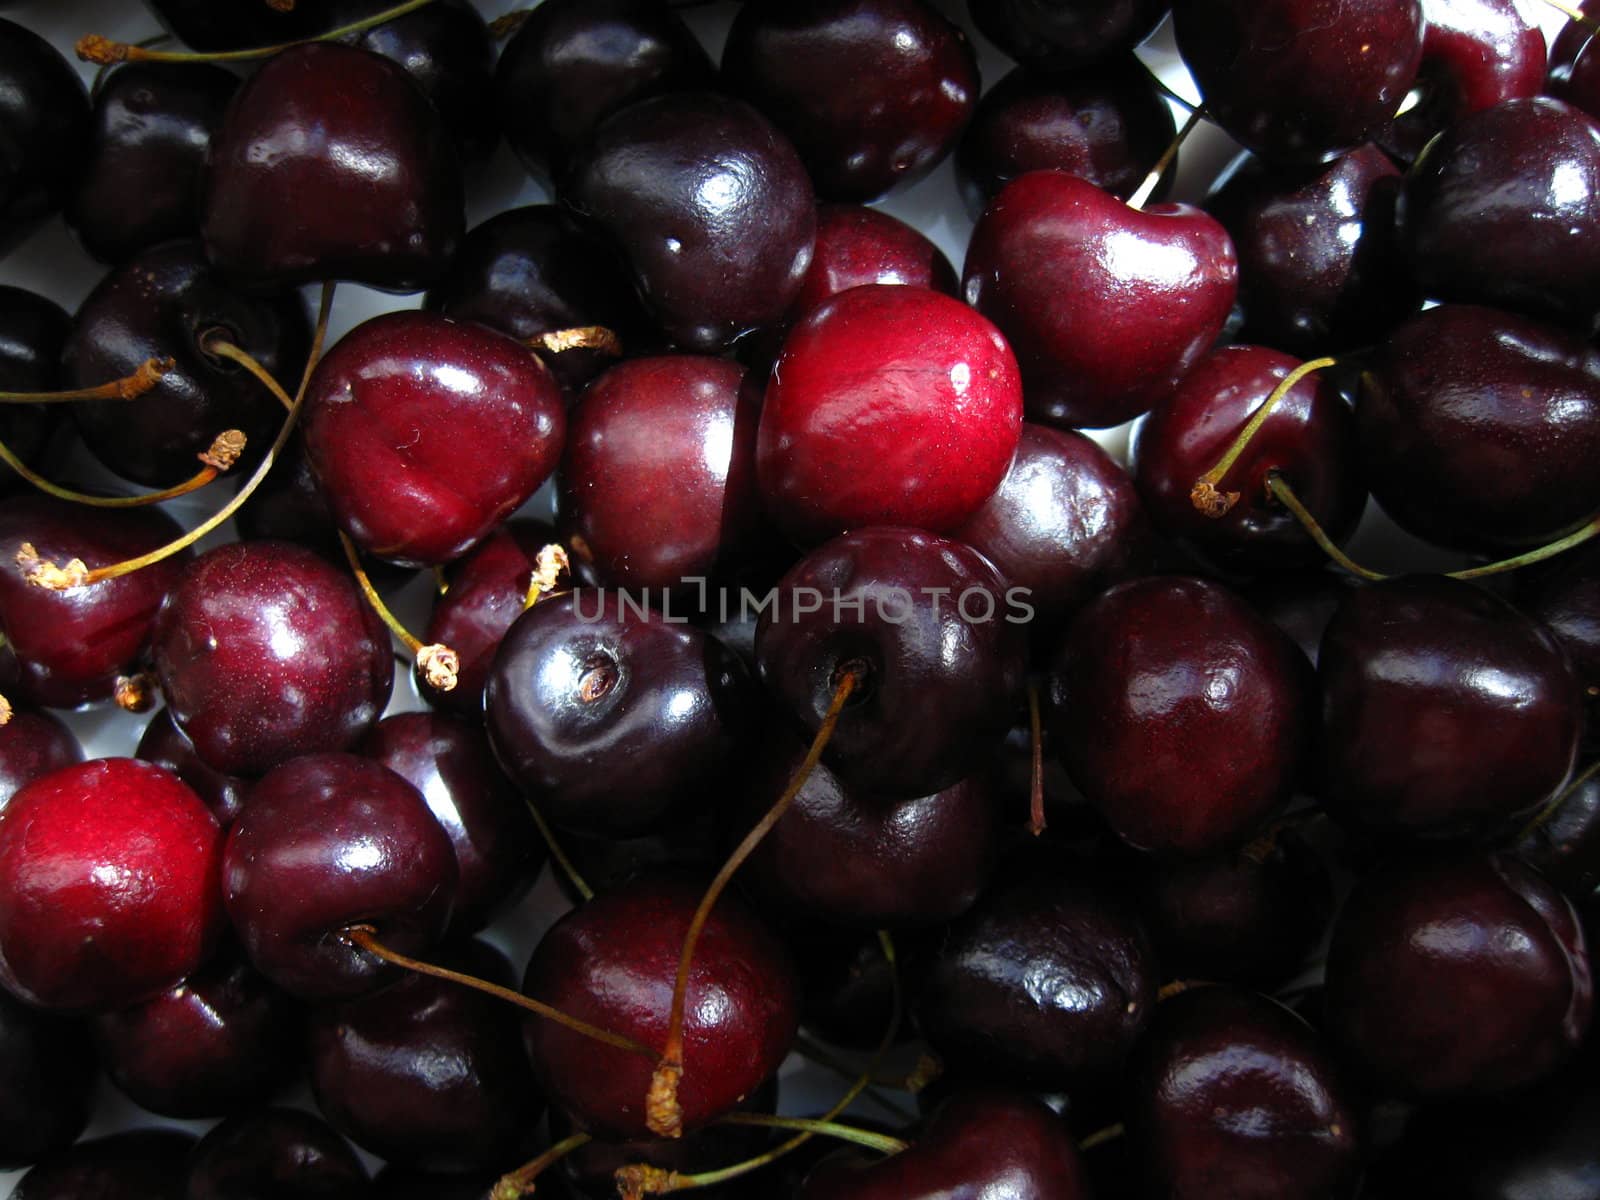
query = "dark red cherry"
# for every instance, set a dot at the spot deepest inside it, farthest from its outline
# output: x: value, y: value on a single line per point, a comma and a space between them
x: 430, y: 1074
x: 1309, y: 439
x: 1301, y: 603
x: 32, y: 745
x: 1458, y: 978
x: 449, y: 762
x: 235, y: 24
x: 1108, y: 125
x: 45, y: 113
x: 690, y: 845
x: 274, y: 1154
x: 612, y: 718
x: 140, y: 181
x: 32, y: 332
x: 846, y: 439
x: 1444, y: 710
x: 266, y: 651
x: 362, y: 183
x: 166, y: 303
x: 150, y: 1164
x: 220, y: 1042
x: 575, y: 62
x: 329, y: 841
x: 1300, y: 80
x: 1106, y: 306
x: 873, y: 93
x: 1230, y: 1094
x: 1565, y: 596
x: 711, y: 207
x: 1180, y: 713
x: 398, y: 418
x: 164, y: 744
x: 613, y: 962
x: 108, y: 886
x: 1504, y: 209
x: 1565, y: 847
x: 857, y: 245
x: 46, y: 1071
x: 933, y: 638
x: 1320, y: 267
x: 1480, y: 429
x: 290, y: 506
x: 1066, y: 35
x: 1575, y: 67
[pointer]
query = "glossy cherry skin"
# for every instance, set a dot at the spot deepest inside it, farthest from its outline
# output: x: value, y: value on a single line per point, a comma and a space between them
x: 48, y: 1069
x: 32, y: 332
x: 1309, y: 439
x: 1565, y: 847
x: 1444, y: 710
x: 710, y: 205
x: 1003, y: 1145
x: 32, y: 745
x: 1575, y: 68
x: 498, y: 851
x: 429, y: 1074
x: 45, y: 112
x: 360, y: 183
x: 982, y: 1009
x: 1478, y: 427
x: 1066, y: 36
x: 329, y: 841
x: 1180, y: 713
x: 234, y: 24
x: 610, y: 718
x: 888, y: 406
x: 108, y: 886
x: 140, y: 183
x: 397, y: 418
x: 1300, y: 80
x: 150, y: 1164
x: 1504, y: 210
x: 1065, y: 522
x: 612, y: 963
x: 1564, y: 595
x: 573, y: 63
x: 873, y: 93
x: 857, y: 245
x: 1458, y: 978
x: 1107, y: 307
x: 221, y: 1042
x: 164, y: 744
x: 275, y: 1152
x: 658, y: 481
x: 164, y: 303
x: 266, y: 651
x: 1230, y: 1094
x: 936, y: 642
x: 1320, y: 267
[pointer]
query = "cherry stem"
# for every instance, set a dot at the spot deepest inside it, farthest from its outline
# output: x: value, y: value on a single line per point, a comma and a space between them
x: 520, y: 1182
x: 557, y: 854
x: 223, y: 452
x: 1036, y: 822
x: 441, y: 582
x: 1177, y: 987
x: 1153, y: 180
x: 1205, y: 494
x: 440, y: 665
x: 366, y: 938
x: 507, y: 24
x: 663, y: 1116
x: 98, y: 49
x: 1542, y: 817
x: 1101, y: 1136
x: 129, y: 387
x: 548, y: 566
x: 218, y: 345
x: 881, y: 1142
x: 135, y: 693
x: 5, y: 711
x: 1576, y: 14
x: 581, y: 337
x: 640, y: 1179
x: 823, y: 1057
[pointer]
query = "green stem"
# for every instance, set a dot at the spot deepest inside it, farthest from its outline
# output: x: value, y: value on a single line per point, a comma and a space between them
x: 97, y: 49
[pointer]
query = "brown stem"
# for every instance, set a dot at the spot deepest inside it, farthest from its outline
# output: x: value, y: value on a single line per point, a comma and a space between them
x: 98, y: 49
x: 129, y: 387
x: 1036, y: 822
x: 582, y: 337
x: 440, y: 665
x: 519, y: 1183
x: 1152, y: 181
x: 217, y: 344
x: 557, y: 854
x: 223, y: 452
x: 640, y: 1179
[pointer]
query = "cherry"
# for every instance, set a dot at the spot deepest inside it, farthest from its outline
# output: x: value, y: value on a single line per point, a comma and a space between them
x: 819, y: 67
x: 427, y: 1073
x: 613, y: 963
x: 277, y: 1152
x: 164, y: 744
x: 849, y: 986
x: 1065, y: 522
x: 888, y: 406
x: 45, y: 112
x: 397, y: 418
x: 1180, y: 713
x: 219, y: 1043
x: 1458, y: 978
x: 925, y: 626
x: 32, y: 745
x: 1565, y: 846
x: 329, y: 841
x: 290, y: 506
x: 1565, y: 596
x: 364, y: 184
x: 1575, y: 69
x: 47, y: 1070
x: 1444, y: 710
x: 238, y: 25
x: 711, y: 207
x: 573, y: 63
x: 1504, y: 209
x: 858, y: 245
x: 1232, y: 1095
x: 450, y: 763
x: 689, y: 845
x: 1301, y: 603
x: 140, y: 183
x: 613, y: 718
x: 1066, y: 35
x: 32, y: 332
x: 168, y: 302
x: 1478, y: 429
x: 1299, y: 80
x: 1320, y: 267
x: 1106, y: 306
x: 150, y: 1164
x: 108, y: 886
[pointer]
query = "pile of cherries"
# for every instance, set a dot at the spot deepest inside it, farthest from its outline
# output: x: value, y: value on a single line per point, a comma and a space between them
x: 1097, y: 833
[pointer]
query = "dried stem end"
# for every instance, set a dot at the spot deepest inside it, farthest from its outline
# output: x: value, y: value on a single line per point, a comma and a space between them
x: 135, y: 693
x: 440, y: 665
x: 47, y: 574
x: 97, y: 48
x: 5, y: 711
x: 639, y: 1180
x: 1205, y: 496
x: 548, y: 566
x: 663, y: 1114
x: 225, y: 450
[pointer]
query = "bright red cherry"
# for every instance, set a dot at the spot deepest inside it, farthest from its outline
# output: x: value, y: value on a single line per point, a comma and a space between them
x: 857, y: 245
